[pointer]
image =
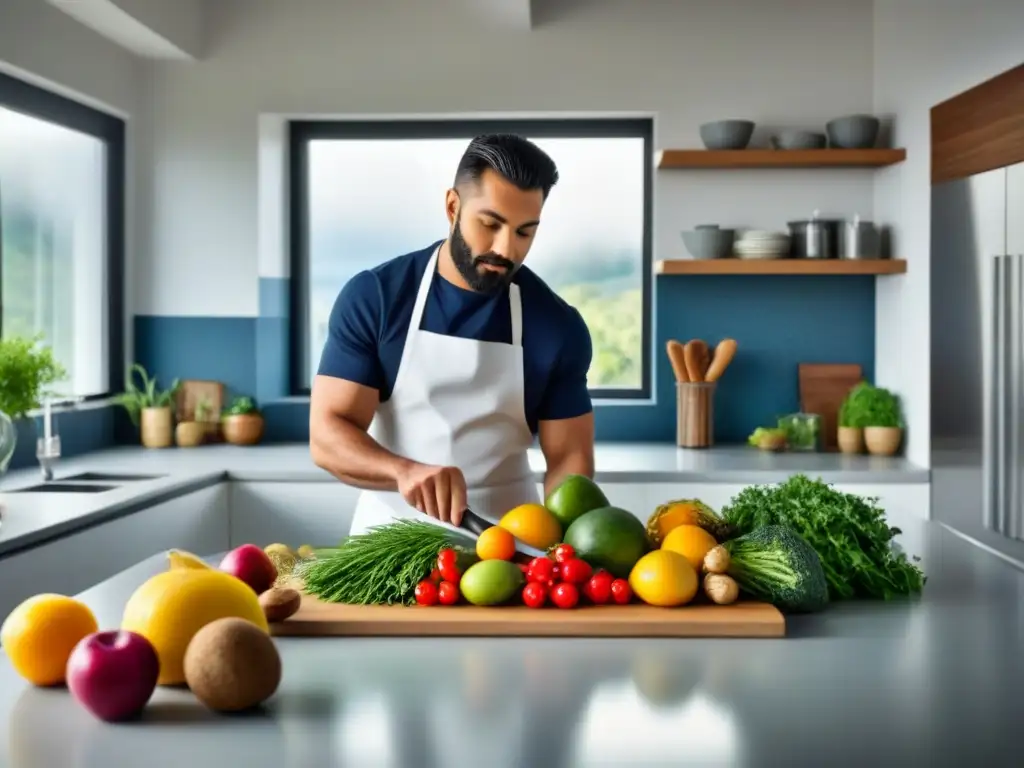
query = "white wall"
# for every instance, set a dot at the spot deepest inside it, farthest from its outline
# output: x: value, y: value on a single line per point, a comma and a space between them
x: 45, y: 46
x: 787, y: 62
x: 925, y: 53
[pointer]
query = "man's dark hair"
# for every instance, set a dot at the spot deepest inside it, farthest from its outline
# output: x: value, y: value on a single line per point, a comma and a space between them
x: 518, y: 160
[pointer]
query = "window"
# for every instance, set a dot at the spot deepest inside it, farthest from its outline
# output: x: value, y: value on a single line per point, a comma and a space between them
x: 593, y: 248
x: 61, y: 232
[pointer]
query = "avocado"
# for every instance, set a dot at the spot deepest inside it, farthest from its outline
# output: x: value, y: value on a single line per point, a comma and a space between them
x: 610, y: 538
x: 574, y: 496
x: 490, y: 582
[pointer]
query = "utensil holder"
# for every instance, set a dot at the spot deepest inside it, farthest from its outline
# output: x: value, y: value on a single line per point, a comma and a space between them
x: 695, y: 414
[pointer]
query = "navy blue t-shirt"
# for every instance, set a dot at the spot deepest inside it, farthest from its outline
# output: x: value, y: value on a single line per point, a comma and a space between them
x: 370, y: 320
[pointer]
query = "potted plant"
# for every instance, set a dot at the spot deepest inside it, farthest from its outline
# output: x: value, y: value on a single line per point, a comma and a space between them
x: 877, y: 412
x: 149, y: 408
x: 27, y: 369
x: 849, y: 434
x: 188, y: 434
x: 242, y: 422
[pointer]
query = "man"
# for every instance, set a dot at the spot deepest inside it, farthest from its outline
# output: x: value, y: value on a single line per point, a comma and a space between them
x: 442, y: 365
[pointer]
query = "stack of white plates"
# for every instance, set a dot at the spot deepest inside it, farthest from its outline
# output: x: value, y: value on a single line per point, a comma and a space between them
x: 760, y: 244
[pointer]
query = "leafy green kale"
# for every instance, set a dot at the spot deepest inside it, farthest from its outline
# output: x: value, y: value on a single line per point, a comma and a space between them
x: 849, y: 533
x: 774, y: 564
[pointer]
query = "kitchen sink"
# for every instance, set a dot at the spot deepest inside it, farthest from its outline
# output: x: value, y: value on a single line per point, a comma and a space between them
x: 58, y: 487
x: 112, y: 476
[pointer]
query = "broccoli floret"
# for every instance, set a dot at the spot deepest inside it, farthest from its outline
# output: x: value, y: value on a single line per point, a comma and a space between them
x: 773, y: 563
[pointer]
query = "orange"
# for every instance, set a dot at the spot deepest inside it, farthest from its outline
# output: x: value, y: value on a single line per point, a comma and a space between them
x: 172, y: 606
x: 533, y: 524
x: 179, y: 558
x: 39, y: 635
x: 496, y: 543
x: 663, y: 578
x: 692, y: 542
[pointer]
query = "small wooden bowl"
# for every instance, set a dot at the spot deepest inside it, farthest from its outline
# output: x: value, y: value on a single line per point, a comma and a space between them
x: 243, y: 429
x: 189, y: 434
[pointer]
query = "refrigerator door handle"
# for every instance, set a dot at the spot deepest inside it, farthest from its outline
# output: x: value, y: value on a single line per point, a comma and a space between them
x: 994, y: 416
x: 1014, y: 391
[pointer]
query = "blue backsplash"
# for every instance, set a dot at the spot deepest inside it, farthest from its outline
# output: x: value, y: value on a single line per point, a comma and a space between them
x: 779, y: 322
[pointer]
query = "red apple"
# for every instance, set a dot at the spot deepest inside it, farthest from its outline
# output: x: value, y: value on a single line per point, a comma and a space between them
x: 113, y: 674
x: 252, y: 565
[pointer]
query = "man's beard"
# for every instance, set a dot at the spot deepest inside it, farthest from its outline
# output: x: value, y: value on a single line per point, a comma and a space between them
x: 480, y: 280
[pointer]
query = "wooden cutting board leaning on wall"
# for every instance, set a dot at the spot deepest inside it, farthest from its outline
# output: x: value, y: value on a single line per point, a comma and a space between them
x: 823, y: 387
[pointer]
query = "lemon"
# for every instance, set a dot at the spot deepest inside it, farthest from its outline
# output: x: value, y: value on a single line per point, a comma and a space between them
x: 692, y: 542
x: 40, y: 633
x: 172, y: 606
x: 179, y: 558
x: 533, y: 525
x: 663, y: 578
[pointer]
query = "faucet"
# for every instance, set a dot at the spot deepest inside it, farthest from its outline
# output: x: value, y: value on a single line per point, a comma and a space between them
x: 48, y: 446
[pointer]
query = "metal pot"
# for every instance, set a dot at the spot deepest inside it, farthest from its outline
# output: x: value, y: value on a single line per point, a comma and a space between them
x: 862, y: 240
x: 815, y: 238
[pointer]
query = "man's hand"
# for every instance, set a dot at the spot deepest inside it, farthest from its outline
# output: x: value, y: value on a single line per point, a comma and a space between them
x: 439, y: 492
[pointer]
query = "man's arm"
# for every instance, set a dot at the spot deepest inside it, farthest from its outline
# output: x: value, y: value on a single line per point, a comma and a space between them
x: 343, y: 400
x: 566, y: 428
x: 340, y: 412
x: 568, y: 448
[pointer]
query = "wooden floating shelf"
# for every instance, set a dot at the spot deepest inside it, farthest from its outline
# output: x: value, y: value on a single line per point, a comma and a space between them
x: 780, y: 267
x: 779, y: 158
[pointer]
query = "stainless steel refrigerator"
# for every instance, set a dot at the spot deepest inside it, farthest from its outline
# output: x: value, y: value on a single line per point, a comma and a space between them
x: 978, y: 349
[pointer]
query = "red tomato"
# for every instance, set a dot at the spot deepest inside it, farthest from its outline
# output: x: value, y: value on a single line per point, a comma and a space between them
x: 576, y: 571
x: 535, y: 594
x: 540, y: 570
x: 565, y: 595
x: 556, y: 571
x: 448, y: 593
x: 564, y: 552
x: 426, y: 593
x: 621, y: 592
x: 435, y: 575
x: 446, y: 555
x: 598, y: 588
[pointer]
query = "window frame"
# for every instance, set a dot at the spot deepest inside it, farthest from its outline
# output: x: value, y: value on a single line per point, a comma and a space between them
x: 301, y: 132
x: 20, y: 96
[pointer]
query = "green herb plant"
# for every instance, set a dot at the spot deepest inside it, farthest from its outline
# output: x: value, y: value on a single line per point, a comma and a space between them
x: 135, y: 399
x: 241, y: 406
x: 849, y: 532
x: 204, y: 409
x: 27, y: 369
x: 869, y: 406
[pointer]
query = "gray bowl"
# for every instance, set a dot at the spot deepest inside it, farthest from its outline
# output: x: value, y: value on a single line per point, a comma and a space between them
x: 709, y: 243
x: 727, y: 134
x: 853, y: 131
x: 799, y: 140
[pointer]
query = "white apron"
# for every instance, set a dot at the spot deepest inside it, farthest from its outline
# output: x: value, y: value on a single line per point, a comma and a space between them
x: 456, y: 402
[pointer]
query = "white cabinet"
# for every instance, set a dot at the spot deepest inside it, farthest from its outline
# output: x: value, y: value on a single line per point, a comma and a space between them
x: 196, y: 522
x: 317, y: 513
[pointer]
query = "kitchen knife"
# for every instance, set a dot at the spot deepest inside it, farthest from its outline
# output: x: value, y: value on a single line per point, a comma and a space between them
x: 474, y: 524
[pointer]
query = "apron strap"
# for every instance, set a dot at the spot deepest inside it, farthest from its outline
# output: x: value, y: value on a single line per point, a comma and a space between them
x: 516, y: 306
x: 421, y: 295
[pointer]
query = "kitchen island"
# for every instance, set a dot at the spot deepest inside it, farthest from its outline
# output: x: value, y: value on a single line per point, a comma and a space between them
x: 935, y: 680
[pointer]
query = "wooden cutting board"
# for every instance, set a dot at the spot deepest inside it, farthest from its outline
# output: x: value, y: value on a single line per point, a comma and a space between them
x: 742, y: 619
x: 823, y: 387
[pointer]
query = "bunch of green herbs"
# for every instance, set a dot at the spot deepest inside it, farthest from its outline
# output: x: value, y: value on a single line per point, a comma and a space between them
x: 379, y: 567
x: 869, y: 406
x: 849, y: 532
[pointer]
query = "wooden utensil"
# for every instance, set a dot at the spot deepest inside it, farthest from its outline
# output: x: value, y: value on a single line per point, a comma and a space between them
x: 741, y: 619
x: 693, y: 355
x: 724, y: 353
x: 823, y: 387
x: 677, y: 358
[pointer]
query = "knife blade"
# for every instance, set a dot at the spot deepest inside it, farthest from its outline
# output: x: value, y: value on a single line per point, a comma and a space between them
x: 474, y: 524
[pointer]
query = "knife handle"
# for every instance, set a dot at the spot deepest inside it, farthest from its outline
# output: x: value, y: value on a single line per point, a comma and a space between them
x: 473, y: 523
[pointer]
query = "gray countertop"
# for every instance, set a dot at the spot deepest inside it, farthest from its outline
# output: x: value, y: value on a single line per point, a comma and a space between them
x: 31, y: 518
x: 936, y: 681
